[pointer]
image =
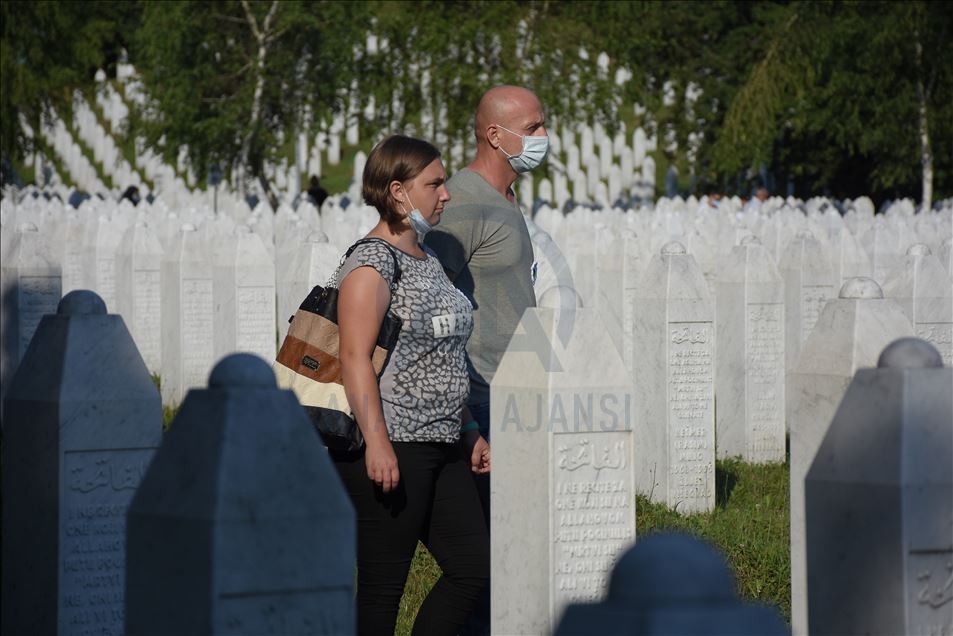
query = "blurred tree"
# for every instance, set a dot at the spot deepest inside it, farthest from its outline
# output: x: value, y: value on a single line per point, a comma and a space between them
x: 855, y: 96
x: 49, y: 50
x: 232, y: 79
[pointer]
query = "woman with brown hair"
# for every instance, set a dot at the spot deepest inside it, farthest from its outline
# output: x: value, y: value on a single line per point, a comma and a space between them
x: 411, y: 480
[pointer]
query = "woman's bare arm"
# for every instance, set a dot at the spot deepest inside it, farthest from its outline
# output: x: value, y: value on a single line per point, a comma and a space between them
x: 362, y: 302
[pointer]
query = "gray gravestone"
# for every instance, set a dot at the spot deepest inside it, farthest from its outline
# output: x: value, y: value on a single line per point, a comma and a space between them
x: 671, y: 585
x: 850, y: 334
x: 83, y: 419
x: 30, y: 284
x: 879, y: 502
x: 241, y: 525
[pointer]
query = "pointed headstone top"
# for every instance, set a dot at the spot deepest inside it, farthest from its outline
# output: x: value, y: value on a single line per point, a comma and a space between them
x: 81, y: 302
x: 910, y: 353
x: 673, y: 248
x: 241, y: 370
x: 750, y: 239
x: 919, y: 249
x: 861, y: 288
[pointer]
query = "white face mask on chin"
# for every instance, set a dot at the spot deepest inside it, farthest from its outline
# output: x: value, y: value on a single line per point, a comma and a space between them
x: 535, y: 149
x: 417, y: 221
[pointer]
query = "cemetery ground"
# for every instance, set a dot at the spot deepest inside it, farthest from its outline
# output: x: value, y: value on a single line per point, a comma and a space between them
x: 749, y: 525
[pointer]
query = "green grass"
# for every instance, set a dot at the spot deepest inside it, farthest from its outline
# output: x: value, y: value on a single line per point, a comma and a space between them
x: 749, y: 525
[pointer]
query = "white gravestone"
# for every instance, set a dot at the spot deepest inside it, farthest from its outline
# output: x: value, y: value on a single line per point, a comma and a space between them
x: 850, y: 333
x: 244, y: 295
x: 187, y: 315
x: 83, y: 418
x: 848, y: 258
x: 808, y: 284
x: 879, y: 501
x: 673, y: 347
x: 30, y: 284
x: 139, y: 291
x: 925, y: 294
x: 563, y: 466
x: 102, y: 243
x: 750, y: 356
x: 314, y: 263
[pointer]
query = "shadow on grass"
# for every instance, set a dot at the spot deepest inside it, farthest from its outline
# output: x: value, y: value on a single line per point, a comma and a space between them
x: 726, y: 477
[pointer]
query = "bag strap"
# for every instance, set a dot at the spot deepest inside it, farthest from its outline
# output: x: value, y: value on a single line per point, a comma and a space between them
x: 397, y: 270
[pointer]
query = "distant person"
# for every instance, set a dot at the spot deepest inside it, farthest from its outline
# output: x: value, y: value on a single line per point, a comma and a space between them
x: 754, y: 205
x: 132, y: 194
x: 316, y: 194
x: 710, y: 201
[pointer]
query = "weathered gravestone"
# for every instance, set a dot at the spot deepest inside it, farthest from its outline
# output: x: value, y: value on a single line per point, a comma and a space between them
x: 879, y: 500
x: 673, y: 346
x: 241, y: 524
x: 850, y: 334
x: 563, y: 465
x: 808, y: 285
x: 750, y: 355
x: 244, y: 294
x: 139, y: 291
x: 671, y: 585
x: 187, y: 315
x: 82, y: 421
x: 103, y: 236
x: 30, y: 283
x: 924, y: 292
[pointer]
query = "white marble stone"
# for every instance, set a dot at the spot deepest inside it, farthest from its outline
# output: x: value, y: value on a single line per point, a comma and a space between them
x: 187, y: 315
x: 850, y: 333
x: 139, y: 291
x: 880, y: 243
x: 30, y: 287
x: 924, y: 292
x: 103, y: 235
x: 673, y: 367
x: 562, y: 422
x: 945, y: 254
x: 314, y: 263
x: 848, y: 258
x: 806, y: 269
x: 244, y: 298
x: 749, y: 358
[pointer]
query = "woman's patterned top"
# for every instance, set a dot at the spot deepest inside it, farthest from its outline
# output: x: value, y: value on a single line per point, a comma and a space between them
x: 425, y: 383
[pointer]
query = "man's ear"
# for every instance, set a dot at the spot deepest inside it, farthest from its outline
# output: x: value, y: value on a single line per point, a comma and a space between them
x: 492, y: 135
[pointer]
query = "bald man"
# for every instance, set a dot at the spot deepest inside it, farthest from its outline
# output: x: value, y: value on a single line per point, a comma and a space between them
x: 484, y: 245
x: 482, y: 240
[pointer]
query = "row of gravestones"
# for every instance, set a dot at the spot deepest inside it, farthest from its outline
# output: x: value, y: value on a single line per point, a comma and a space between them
x: 238, y: 527
x: 190, y: 293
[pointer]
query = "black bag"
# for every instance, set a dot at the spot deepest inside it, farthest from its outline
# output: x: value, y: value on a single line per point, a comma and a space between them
x: 309, y: 362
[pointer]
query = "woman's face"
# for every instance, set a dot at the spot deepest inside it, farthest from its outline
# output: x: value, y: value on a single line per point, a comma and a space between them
x: 427, y: 192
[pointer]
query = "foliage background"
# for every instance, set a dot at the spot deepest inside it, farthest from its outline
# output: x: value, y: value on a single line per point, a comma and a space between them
x: 822, y: 95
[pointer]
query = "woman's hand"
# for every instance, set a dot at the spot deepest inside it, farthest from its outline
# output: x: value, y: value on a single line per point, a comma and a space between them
x: 381, y: 465
x: 479, y: 450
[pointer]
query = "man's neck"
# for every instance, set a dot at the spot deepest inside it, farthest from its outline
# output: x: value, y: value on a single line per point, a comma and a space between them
x: 500, y: 177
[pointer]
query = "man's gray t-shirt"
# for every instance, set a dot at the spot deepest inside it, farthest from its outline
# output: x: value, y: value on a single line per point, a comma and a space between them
x: 483, y: 241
